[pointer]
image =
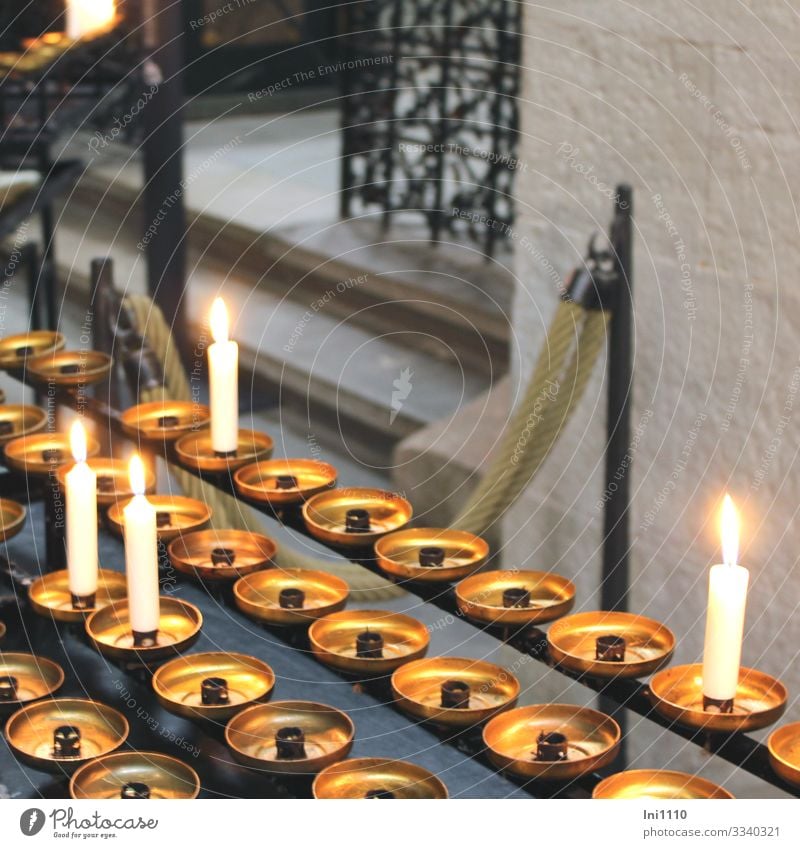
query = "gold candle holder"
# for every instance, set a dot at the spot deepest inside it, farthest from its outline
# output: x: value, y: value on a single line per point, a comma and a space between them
x: 58, y: 735
x: 212, y: 685
x: 677, y: 694
x: 113, y: 479
x: 18, y: 351
x: 164, y: 420
x: 175, y: 515
x: 368, y: 642
x: 134, y: 774
x: 41, y: 453
x: 372, y: 777
x: 784, y: 752
x: 109, y: 630
x: 588, y: 643
x: 431, y: 555
x: 355, y: 517
x: 214, y: 556
x: 551, y: 741
x: 194, y: 450
x: 290, y: 596
x: 290, y: 737
x: 70, y: 368
x: 49, y: 595
x: 658, y: 785
x: 12, y: 518
x: 20, y: 420
x: 25, y: 678
x: 515, y: 598
x: 453, y: 691
x: 284, y: 482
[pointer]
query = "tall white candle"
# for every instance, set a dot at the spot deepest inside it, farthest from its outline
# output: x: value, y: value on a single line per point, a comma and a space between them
x: 223, y: 366
x: 85, y: 17
x: 141, y: 554
x: 81, y: 521
x: 727, y: 598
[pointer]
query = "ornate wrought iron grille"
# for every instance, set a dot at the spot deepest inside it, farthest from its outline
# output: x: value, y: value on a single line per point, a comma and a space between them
x: 430, y: 113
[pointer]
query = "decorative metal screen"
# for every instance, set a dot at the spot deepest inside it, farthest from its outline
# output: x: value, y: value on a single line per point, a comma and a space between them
x: 430, y: 113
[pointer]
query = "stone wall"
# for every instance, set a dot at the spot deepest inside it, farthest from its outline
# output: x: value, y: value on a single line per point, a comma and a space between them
x: 698, y: 109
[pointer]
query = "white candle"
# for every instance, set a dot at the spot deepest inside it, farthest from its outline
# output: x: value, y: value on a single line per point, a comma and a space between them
x: 141, y: 554
x: 81, y: 522
x: 85, y: 17
x: 727, y: 598
x: 223, y: 366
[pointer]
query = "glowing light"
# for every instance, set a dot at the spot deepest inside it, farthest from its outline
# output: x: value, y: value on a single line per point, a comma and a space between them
x: 136, y: 474
x: 219, y: 321
x: 729, y: 523
x: 77, y: 442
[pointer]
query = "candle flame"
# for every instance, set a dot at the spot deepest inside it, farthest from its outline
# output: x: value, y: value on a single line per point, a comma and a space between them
x: 729, y: 522
x: 136, y: 474
x: 218, y: 320
x: 77, y: 441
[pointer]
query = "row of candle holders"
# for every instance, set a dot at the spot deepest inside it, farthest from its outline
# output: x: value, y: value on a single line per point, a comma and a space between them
x: 555, y: 742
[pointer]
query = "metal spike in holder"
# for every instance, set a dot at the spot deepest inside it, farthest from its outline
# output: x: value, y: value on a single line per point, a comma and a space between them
x: 42, y: 453
x: 514, y: 741
x: 654, y: 784
x: 134, y: 774
x: 194, y: 450
x: 25, y: 678
x: 431, y: 555
x: 19, y: 420
x: 355, y: 517
x: 60, y: 734
x: 213, y: 685
x: 50, y: 596
x: 175, y: 515
x: 284, y: 482
x: 214, y: 556
x: 164, y: 420
x: 290, y: 737
x: 372, y: 777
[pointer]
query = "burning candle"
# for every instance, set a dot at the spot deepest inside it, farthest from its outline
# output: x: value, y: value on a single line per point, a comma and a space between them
x: 727, y: 597
x: 85, y: 17
x: 81, y: 523
x: 141, y: 559
x: 223, y: 364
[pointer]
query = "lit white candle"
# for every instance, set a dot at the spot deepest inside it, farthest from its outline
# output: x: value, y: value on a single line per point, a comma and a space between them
x: 80, y: 487
x: 727, y: 598
x: 223, y: 366
x: 85, y: 17
x: 141, y: 554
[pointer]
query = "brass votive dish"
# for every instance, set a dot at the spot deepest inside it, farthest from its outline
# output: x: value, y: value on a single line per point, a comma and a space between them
x: 69, y: 368
x: 324, y: 735
x: 368, y: 513
x: 221, y: 555
x: 373, y: 777
x: 533, y: 597
x: 653, y: 784
x: 164, y: 420
x: 176, y: 515
x: 400, y: 639
x: 20, y: 420
x: 50, y: 596
x: 60, y: 734
x: 41, y: 453
x: 113, y: 481
x: 194, y: 450
x: 677, y: 694
x: 259, y: 595
x: 109, y: 629
x: 284, y: 482
x: 17, y: 351
x: 422, y: 687
x: 647, y: 645
x: 431, y: 555
x: 592, y: 740
x: 212, y: 685
x: 135, y: 774
x: 12, y: 517
x: 784, y: 752
x: 25, y: 678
